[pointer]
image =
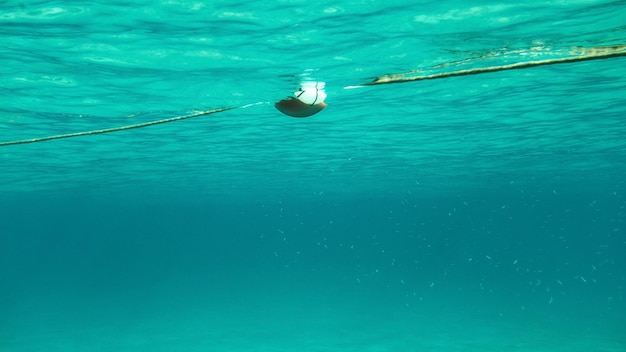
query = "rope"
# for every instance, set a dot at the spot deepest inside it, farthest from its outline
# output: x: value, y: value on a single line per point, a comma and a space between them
x: 115, y: 129
x: 596, y: 54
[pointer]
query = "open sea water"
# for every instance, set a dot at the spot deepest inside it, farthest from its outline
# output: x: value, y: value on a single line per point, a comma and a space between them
x: 477, y: 213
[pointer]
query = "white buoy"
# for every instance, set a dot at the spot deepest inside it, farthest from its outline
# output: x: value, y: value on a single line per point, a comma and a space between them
x: 307, y: 101
x: 311, y: 92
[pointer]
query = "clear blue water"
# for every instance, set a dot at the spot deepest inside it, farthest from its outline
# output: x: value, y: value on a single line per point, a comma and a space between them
x: 476, y: 213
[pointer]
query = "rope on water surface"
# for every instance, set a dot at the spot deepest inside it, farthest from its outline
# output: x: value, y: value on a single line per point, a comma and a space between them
x: 115, y: 129
x: 594, y: 54
x: 588, y: 54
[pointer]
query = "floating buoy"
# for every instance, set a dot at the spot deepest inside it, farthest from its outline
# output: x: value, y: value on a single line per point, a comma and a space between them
x: 308, y: 100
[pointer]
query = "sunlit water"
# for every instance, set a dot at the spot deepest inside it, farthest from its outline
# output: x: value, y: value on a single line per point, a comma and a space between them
x: 475, y: 213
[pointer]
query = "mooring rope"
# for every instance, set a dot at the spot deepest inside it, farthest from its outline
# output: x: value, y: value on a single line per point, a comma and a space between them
x: 598, y: 53
x: 115, y: 129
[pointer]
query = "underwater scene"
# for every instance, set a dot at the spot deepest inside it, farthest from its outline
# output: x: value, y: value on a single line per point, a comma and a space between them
x: 291, y: 175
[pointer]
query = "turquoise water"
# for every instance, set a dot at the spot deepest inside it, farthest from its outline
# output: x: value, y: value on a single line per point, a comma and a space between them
x: 475, y: 213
